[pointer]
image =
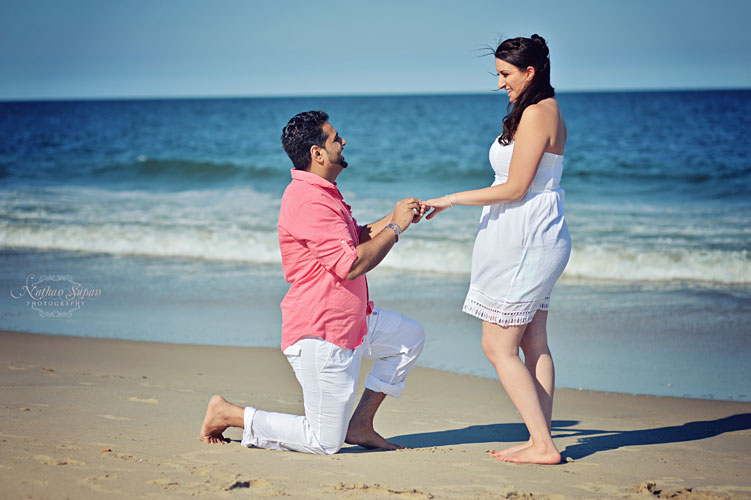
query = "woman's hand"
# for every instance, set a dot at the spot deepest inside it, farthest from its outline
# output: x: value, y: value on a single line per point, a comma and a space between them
x: 438, y: 205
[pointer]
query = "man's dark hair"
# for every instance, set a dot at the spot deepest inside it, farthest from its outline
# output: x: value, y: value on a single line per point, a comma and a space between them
x: 301, y: 132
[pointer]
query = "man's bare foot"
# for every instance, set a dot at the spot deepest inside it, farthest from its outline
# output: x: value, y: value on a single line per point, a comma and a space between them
x: 511, y: 449
x: 361, y: 431
x: 215, y: 422
x: 369, y: 438
x: 532, y: 455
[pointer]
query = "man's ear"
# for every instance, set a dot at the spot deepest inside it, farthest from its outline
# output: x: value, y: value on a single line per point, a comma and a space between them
x: 316, y: 155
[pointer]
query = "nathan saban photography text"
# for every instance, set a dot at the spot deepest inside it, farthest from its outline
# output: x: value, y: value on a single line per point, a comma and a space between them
x: 54, y: 290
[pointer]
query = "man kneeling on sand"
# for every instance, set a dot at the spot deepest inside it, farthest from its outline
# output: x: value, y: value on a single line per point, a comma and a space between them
x: 328, y: 322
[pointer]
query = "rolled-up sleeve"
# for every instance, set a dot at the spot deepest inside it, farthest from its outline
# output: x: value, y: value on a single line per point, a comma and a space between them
x: 328, y: 237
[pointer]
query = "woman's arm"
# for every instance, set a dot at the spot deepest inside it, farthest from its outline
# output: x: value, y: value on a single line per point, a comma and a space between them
x: 531, y: 139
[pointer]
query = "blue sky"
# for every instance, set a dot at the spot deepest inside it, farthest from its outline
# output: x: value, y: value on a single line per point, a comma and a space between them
x: 84, y: 48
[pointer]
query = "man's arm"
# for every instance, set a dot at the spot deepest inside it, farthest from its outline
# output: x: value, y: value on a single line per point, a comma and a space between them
x: 372, y: 229
x: 376, y: 239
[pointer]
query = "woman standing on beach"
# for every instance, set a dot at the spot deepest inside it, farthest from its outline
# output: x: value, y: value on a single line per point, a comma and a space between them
x: 522, y: 244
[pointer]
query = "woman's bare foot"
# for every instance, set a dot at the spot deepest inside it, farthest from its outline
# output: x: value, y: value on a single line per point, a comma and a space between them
x: 511, y: 449
x: 220, y: 414
x: 533, y: 455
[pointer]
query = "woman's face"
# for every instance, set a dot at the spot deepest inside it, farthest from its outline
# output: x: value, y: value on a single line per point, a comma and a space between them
x: 512, y: 79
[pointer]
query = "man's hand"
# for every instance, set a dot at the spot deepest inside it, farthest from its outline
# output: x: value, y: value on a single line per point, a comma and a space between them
x: 407, y: 211
x: 419, y: 212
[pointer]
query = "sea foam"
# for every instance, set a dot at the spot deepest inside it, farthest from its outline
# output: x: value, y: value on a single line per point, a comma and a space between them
x: 260, y: 246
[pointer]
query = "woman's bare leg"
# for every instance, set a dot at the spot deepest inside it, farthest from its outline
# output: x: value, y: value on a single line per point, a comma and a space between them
x: 501, y: 346
x: 539, y: 362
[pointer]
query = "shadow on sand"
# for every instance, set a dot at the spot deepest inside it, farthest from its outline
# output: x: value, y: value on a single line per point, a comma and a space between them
x: 592, y: 441
x: 491, y: 433
x: 599, y: 440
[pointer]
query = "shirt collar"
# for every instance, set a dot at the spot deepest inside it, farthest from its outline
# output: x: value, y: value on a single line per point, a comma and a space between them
x: 311, y: 178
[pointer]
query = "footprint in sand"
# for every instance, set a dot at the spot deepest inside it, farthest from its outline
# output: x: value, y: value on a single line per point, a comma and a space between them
x: 284, y: 401
x: 2, y: 434
x: 112, y: 417
x: 655, y: 491
x: 70, y: 461
x: 252, y: 483
x: 150, y: 401
x: 95, y: 483
x: 122, y: 456
x: 48, y: 460
x: 163, y: 483
x: 19, y: 366
x: 359, y: 488
x: 36, y: 482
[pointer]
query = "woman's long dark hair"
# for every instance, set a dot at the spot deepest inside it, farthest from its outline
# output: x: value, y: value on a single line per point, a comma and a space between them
x: 524, y: 52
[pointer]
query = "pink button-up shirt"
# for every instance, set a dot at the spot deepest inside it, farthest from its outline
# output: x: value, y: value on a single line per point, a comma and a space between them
x: 318, y: 238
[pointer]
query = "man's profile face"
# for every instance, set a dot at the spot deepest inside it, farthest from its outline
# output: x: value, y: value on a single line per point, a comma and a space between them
x: 334, y: 145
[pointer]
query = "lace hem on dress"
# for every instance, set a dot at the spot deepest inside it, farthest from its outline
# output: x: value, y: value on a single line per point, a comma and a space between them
x: 505, y: 313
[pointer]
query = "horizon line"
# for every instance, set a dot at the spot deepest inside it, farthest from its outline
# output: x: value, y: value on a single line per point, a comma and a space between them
x: 146, y: 97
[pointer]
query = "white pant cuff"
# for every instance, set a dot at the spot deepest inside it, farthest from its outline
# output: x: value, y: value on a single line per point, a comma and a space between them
x: 248, y: 439
x: 376, y: 385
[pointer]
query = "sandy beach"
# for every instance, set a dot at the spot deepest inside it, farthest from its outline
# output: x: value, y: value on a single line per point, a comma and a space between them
x: 86, y: 418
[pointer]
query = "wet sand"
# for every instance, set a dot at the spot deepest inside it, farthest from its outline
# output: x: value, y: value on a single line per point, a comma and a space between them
x: 83, y: 418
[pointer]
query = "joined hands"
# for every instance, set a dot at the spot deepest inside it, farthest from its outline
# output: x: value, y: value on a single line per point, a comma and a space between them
x: 408, y: 211
x: 412, y: 210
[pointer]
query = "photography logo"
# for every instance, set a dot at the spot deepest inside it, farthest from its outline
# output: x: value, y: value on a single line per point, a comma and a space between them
x: 54, y: 295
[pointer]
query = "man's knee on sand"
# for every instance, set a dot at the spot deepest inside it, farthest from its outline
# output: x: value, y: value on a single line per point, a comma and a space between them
x: 328, y: 445
x: 329, y: 449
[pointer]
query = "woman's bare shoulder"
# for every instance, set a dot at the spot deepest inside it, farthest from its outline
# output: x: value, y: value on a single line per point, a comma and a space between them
x: 547, y: 108
x: 543, y: 120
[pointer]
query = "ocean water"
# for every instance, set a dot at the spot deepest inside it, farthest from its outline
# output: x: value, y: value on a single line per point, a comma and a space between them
x: 169, y: 208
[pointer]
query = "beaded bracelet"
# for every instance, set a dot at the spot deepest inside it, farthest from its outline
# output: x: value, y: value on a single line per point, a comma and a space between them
x: 396, y: 229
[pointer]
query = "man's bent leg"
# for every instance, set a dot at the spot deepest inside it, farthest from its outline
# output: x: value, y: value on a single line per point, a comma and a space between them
x: 361, y: 431
x: 395, y: 342
x: 328, y: 376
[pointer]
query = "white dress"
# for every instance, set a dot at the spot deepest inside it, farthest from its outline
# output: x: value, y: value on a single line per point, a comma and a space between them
x: 521, y: 247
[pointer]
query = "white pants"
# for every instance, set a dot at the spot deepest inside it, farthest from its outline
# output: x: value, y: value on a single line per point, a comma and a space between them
x: 328, y: 375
